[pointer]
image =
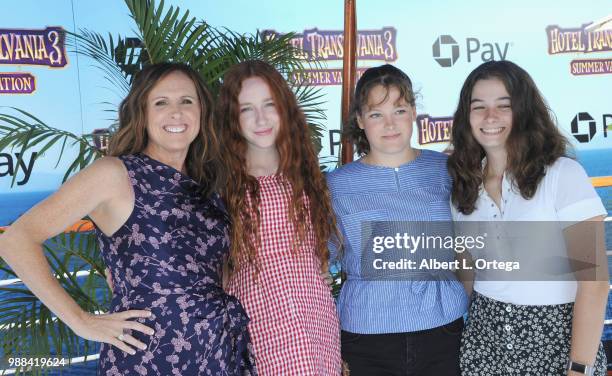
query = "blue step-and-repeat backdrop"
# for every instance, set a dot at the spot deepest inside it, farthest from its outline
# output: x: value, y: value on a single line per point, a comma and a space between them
x: 436, y: 42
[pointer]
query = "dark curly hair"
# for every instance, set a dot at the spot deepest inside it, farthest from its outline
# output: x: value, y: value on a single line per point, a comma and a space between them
x: 386, y: 75
x: 533, y: 144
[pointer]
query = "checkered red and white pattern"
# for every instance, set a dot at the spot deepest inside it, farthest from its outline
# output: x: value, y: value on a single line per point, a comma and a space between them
x: 294, y: 326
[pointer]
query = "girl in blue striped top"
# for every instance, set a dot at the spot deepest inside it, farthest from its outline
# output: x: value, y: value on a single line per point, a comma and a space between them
x: 392, y: 326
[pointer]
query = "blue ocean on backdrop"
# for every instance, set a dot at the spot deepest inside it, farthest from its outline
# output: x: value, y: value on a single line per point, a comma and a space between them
x: 12, y: 205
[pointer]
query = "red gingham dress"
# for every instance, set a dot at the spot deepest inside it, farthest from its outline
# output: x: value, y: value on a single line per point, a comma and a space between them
x: 294, y: 327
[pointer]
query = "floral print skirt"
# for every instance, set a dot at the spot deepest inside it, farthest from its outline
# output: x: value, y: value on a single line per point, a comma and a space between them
x: 508, y: 339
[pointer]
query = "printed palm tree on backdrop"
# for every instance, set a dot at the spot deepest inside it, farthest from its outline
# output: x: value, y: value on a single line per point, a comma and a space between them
x: 27, y: 327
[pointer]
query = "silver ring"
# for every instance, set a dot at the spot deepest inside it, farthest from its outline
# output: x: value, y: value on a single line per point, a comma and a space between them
x: 121, y: 337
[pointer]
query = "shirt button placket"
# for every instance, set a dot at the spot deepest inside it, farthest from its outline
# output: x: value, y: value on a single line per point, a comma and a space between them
x: 508, y: 329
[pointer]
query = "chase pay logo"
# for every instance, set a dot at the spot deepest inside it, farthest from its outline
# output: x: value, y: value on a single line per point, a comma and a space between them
x: 583, y: 127
x: 446, y: 50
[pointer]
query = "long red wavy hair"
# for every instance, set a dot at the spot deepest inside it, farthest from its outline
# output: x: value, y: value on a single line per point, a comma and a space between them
x: 298, y: 163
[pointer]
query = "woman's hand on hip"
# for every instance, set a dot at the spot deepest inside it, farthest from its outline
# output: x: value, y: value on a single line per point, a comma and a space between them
x: 111, y: 328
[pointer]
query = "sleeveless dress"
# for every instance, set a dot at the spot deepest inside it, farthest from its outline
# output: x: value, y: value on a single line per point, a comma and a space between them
x: 167, y: 258
x: 294, y: 326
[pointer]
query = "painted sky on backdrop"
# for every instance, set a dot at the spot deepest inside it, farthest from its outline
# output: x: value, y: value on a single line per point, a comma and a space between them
x: 71, y: 98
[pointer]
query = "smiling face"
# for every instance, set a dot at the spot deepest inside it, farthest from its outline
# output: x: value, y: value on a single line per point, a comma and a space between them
x: 491, y: 114
x: 387, y: 122
x: 259, y: 118
x: 173, y: 116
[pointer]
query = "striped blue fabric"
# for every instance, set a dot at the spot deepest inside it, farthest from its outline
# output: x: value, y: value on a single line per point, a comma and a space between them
x: 416, y: 191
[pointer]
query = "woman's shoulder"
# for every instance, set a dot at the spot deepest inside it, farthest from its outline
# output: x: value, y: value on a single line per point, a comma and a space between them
x: 343, y: 174
x: 431, y: 168
x: 103, y: 181
x: 433, y: 159
x: 434, y: 155
x: 564, y: 164
x: 107, y: 168
x: 565, y: 167
x: 105, y: 176
x: 110, y: 167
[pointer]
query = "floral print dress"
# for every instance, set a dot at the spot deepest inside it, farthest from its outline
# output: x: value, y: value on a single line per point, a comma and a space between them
x: 167, y: 258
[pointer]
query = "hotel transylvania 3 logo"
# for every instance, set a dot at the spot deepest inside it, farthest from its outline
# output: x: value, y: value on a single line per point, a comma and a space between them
x: 328, y: 45
x: 579, y: 40
x: 433, y: 130
x: 44, y: 47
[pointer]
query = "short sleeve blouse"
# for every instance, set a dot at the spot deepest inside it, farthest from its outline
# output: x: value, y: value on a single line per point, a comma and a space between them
x: 565, y: 194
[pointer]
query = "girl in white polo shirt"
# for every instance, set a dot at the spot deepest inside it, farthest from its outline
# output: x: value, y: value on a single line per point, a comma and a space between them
x: 509, y: 164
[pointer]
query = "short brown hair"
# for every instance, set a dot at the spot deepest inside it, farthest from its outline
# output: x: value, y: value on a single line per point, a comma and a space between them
x: 387, y: 76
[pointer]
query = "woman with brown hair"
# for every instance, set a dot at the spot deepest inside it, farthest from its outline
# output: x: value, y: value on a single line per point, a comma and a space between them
x: 162, y: 232
x: 281, y: 222
x: 509, y: 165
x: 394, y: 321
